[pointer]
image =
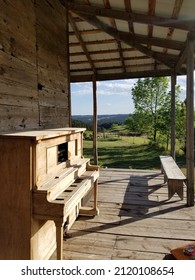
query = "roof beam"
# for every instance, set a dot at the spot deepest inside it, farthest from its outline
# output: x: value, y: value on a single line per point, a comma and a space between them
x: 181, y: 60
x: 111, y: 60
x: 111, y: 68
x: 102, y: 52
x: 128, y: 39
x: 183, y: 54
x: 151, y: 12
x: 107, y: 41
x: 113, y: 23
x: 159, y: 42
x: 171, y: 57
x: 129, y: 10
x: 119, y: 76
x: 86, y: 32
x: 175, y: 13
x: 74, y: 27
x: 187, y: 24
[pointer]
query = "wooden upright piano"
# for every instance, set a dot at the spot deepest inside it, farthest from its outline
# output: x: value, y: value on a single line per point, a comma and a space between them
x: 45, y: 184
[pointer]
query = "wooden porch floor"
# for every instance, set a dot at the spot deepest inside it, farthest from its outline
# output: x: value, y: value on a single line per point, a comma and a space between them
x: 136, y: 221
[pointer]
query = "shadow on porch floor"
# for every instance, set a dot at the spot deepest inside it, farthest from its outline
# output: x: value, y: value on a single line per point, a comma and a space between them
x: 136, y: 221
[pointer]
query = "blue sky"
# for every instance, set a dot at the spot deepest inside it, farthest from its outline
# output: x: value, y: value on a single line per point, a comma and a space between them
x: 113, y: 97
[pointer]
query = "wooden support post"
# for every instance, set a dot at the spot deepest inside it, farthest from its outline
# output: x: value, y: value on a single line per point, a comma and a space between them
x: 95, y: 120
x: 173, y: 83
x: 190, y: 121
x: 68, y: 67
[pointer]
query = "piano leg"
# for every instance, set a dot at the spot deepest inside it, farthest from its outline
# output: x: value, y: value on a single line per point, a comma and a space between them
x: 59, y: 240
x: 95, y: 198
x: 92, y: 211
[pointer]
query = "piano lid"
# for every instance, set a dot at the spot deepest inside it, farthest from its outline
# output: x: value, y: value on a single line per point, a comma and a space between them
x: 44, y: 133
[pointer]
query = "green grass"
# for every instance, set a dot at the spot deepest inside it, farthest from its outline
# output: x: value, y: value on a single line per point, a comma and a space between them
x: 129, y: 152
x: 125, y: 152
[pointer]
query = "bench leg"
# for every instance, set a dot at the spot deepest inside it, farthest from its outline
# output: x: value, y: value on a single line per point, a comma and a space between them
x: 162, y: 172
x: 175, y: 186
x: 59, y: 240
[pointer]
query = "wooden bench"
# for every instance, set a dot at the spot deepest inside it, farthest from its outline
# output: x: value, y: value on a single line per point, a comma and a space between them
x: 173, y: 176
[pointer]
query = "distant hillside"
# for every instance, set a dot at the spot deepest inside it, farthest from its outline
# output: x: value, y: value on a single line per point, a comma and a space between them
x: 102, y: 119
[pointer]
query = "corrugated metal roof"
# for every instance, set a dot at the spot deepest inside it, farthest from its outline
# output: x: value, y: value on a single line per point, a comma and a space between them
x: 130, y: 38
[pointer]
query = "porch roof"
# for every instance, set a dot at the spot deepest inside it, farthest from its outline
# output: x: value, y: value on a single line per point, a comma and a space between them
x: 128, y: 39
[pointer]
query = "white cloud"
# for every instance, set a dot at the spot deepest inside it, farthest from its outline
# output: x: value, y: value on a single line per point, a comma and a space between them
x: 81, y: 89
x: 107, y: 88
x: 122, y: 88
x: 115, y: 92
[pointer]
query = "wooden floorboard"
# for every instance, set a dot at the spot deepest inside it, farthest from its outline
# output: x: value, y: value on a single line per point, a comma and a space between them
x: 136, y: 220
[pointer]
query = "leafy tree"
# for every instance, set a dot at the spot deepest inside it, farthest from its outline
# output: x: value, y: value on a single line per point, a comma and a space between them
x: 136, y: 123
x: 148, y: 97
x: 164, y: 121
x: 181, y: 125
x: 79, y: 123
x: 153, y: 109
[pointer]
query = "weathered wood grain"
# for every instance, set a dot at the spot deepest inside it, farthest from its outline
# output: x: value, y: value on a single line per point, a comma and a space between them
x: 34, y: 91
x: 52, y: 64
x: 136, y: 221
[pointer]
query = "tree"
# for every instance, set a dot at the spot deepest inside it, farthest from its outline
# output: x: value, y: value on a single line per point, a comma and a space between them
x: 181, y: 125
x: 164, y: 121
x: 136, y: 123
x: 152, y: 114
x: 149, y: 96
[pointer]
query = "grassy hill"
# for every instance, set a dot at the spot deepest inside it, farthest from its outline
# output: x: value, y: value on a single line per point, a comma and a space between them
x: 128, y: 152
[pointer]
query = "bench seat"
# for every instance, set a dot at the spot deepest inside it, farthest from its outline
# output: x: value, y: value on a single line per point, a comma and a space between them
x: 173, y: 176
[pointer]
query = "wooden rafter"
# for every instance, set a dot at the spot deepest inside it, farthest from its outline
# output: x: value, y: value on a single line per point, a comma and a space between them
x: 183, y: 54
x: 111, y: 68
x: 129, y: 40
x: 110, y: 51
x: 129, y: 10
x: 141, y: 39
x: 113, y: 24
x: 151, y: 12
x: 101, y: 24
x: 176, y: 10
x: 126, y: 59
x: 117, y: 76
x: 187, y: 24
x: 87, y: 32
x: 81, y: 42
x: 181, y: 59
x: 105, y: 41
x: 111, y: 60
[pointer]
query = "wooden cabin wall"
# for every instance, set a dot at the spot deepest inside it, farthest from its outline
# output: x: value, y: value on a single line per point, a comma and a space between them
x: 33, y: 65
x: 52, y: 58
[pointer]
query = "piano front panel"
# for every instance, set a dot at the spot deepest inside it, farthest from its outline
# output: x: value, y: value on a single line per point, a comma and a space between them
x: 43, y: 239
x: 54, y: 155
